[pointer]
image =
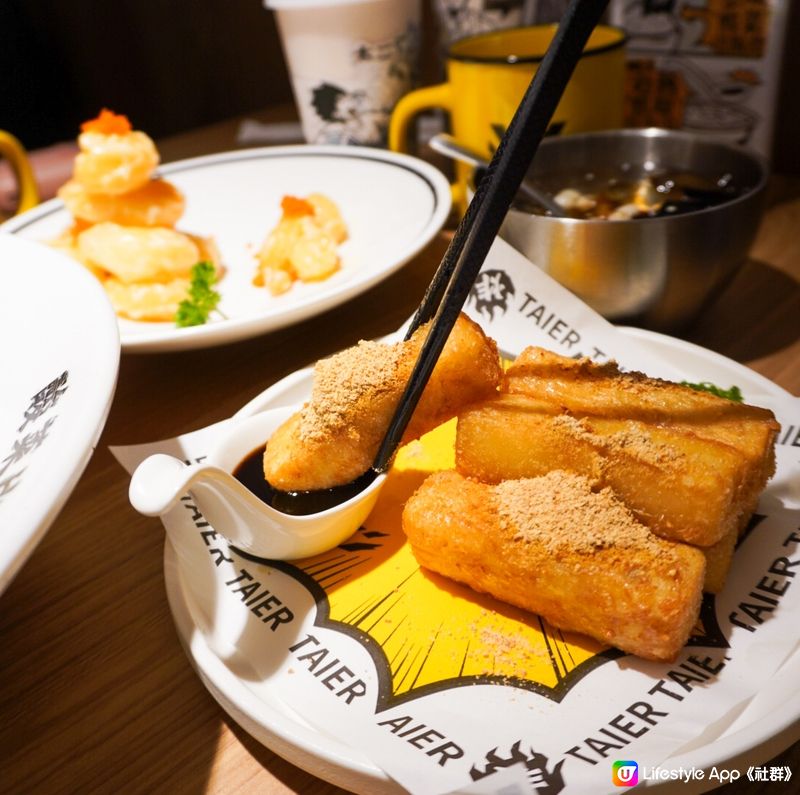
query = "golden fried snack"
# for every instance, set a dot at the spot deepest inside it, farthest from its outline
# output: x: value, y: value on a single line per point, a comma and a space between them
x: 335, y: 436
x: 113, y: 157
x: 719, y: 557
x: 138, y: 253
x: 151, y: 301
x: 156, y: 203
x: 555, y: 547
x: 303, y: 245
x: 682, y: 486
x: 328, y: 217
x: 157, y: 300
x: 123, y: 222
x: 584, y: 388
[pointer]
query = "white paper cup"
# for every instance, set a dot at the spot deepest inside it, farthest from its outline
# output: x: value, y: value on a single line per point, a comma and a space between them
x: 350, y: 61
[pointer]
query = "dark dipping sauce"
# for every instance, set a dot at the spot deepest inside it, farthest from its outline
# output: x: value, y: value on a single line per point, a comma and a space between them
x: 250, y: 473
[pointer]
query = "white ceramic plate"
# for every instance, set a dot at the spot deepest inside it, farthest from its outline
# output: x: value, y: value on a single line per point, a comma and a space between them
x: 766, y: 726
x: 58, y: 369
x: 392, y: 204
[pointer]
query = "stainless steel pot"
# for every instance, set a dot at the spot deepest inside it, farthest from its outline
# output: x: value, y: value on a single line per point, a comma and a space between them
x: 656, y: 272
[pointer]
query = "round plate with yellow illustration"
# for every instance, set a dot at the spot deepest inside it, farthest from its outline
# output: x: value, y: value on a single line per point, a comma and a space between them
x: 371, y: 589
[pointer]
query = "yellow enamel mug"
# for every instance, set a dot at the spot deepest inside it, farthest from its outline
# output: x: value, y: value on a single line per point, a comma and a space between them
x: 12, y: 150
x: 487, y: 75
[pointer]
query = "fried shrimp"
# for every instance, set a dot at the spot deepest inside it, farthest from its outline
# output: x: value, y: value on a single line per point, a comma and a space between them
x: 158, y: 301
x: 152, y: 301
x: 138, y: 253
x: 124, y: 219
x: 113, y: 157
x: 303, y: 245
x: 327, y: 216
x: 156, y: 203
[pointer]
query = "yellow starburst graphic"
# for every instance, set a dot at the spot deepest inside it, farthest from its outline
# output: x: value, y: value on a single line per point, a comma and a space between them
x: 434, y: 633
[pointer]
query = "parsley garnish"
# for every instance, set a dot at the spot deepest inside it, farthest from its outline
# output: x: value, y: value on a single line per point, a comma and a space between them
x: 203, y: 298
x: 734, y: 393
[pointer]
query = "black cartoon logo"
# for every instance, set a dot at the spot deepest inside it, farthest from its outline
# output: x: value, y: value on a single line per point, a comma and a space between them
x: 347, y: 116
x: 360, y: 115
x: 492, y: 290
x: 544, y: 781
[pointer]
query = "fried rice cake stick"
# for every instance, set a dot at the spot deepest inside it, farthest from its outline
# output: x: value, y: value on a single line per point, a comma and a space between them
x: 556, y: 547
x: 719, y: 558
x: 335, y: 436
x: 682, y: 486
x: 585, y: 388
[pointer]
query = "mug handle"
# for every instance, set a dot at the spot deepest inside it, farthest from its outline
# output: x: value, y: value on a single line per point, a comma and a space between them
x: 13, y: 151
x: 438, y: 96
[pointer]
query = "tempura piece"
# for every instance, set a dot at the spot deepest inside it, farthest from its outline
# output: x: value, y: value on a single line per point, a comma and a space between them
x: 303, y: 245
x: 555, y: 547
x: 150, y: 301
x: 114, y: 158
x: 682, y: 486
x: 156, y: 300
x: 123, y: 222
x: 335, y: 436
x: 138, y: 253
x: 156, y: 203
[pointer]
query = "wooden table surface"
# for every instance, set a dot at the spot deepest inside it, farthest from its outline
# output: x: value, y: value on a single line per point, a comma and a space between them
x: 96, y: 693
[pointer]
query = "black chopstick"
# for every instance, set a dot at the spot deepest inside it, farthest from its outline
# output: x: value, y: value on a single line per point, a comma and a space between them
x: 453, y: 280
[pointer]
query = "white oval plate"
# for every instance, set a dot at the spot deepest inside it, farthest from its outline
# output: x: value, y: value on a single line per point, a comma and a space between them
x: 765, y: 727
x: 393, y: 206
x: 58, y: 370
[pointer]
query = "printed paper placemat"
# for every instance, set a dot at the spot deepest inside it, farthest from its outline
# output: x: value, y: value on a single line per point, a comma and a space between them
x: 448, y: 690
